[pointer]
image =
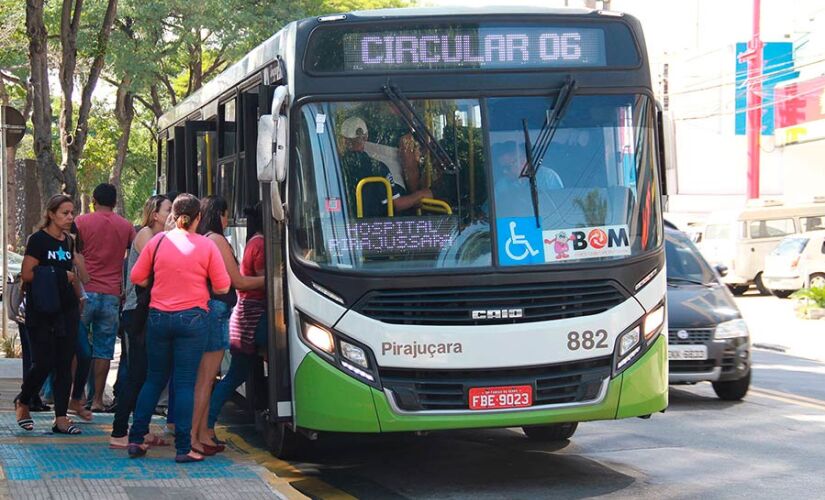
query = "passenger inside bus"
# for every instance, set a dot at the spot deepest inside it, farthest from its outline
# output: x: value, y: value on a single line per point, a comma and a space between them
x: 357, y: 165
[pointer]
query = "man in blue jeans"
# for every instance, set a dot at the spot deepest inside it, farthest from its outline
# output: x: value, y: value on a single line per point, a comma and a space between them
x: 106, y: 237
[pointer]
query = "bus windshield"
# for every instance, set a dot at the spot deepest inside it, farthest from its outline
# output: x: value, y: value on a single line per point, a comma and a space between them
x: 368, y: 194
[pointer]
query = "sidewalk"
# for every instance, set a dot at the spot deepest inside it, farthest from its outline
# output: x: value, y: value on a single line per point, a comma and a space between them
x: 40, y: 464
x: 773, y: 325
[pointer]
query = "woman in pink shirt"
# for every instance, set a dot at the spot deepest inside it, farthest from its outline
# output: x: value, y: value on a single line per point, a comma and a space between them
x: 179, y: 262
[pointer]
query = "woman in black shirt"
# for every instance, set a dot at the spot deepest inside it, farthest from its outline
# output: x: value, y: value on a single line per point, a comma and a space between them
x: 51, y: 318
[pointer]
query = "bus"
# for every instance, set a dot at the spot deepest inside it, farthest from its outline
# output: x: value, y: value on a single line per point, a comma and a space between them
x: 463, y: 218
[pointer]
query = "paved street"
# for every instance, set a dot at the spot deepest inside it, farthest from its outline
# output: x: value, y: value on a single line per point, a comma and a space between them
x: 770, y: 444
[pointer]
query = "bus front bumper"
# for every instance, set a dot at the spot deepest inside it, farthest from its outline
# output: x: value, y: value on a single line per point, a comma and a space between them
x: 327, y: 399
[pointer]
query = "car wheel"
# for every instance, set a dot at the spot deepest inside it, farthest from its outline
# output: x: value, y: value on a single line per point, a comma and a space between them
x: 782, y: 294
x: 760, y: 285
x: 552, y: 432
x: 733, y: 390
x: 817, y: 280
x: 738, y: 290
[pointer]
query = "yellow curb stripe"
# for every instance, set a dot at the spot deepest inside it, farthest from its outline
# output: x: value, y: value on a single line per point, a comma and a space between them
x: 290, y: 482
x: 793, y: 399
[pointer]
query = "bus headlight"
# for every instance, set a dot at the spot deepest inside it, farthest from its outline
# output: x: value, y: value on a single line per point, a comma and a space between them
x: 628, y: 341
x: 731, y: 329
x: 346, y: 354
x: 319, y: 337
x: 354, y: 353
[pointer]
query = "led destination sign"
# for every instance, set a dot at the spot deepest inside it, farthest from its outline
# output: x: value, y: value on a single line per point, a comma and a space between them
x: 401, y: 236
x: 476, y: 48
x: 471, y: 47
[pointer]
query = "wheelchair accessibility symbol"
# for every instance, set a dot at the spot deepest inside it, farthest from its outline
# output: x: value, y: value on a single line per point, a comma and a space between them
x: 519, y: 241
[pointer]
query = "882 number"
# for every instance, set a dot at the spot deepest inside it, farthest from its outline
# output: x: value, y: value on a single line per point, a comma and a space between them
x: 587, y: 340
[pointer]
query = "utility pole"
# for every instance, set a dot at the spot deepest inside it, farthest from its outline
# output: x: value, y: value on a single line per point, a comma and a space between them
x: 753, y: 56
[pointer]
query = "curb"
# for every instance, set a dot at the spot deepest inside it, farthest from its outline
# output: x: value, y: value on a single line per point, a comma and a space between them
x: 771, y: 347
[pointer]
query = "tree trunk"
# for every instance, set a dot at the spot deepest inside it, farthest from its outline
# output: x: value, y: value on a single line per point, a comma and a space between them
x: 73, y: 137
x: 125, y: 114
x: 50, y: 177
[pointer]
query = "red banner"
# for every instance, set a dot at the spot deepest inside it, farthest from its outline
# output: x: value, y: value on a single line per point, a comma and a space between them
x: 800, y: 102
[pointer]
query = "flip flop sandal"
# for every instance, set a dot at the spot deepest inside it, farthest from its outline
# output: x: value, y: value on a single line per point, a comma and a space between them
x: 26, y: 424
x: 136, y: 450
x: 113, y: 446
x: 71, y: 429
x: 186, y: 459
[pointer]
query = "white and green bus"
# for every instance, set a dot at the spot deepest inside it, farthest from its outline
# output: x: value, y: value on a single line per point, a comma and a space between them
x: 463, y: 217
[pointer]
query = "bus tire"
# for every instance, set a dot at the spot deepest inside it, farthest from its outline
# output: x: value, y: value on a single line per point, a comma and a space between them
x: 738, y: 290
x: 551, y: 432
x: 733, y: 390
x: 282, y: 441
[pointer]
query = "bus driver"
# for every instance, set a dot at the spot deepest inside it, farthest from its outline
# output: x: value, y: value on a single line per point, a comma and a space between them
x: 357, y: 164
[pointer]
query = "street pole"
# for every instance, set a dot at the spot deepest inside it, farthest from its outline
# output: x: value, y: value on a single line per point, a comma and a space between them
x: 754, y: 113
x: 4, y: 320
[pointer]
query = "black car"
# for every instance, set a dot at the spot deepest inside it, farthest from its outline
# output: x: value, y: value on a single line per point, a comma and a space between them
x: 707, y: 339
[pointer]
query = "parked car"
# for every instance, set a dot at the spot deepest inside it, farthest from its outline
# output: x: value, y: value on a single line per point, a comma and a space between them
x: 797, y: 262
x: 741, y: 240
x: 15, y: 264
x: 707, y: 338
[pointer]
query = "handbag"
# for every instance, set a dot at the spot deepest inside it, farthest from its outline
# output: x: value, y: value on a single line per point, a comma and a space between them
x: 144, y: 297
x: 13, y: 297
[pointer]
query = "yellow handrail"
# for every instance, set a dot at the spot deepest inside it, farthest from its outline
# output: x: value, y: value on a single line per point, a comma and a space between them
x: 433, y: 205
x: 359, y: 202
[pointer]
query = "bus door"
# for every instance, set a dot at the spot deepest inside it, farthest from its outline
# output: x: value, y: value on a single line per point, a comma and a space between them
x: 200, y: 155
x: 279, y: 384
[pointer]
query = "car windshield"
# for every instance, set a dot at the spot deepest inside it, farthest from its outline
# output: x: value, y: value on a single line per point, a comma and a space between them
x: 717, y: 232
x: 369, y: 195
x: 790, y: 246
x: 685, y: 263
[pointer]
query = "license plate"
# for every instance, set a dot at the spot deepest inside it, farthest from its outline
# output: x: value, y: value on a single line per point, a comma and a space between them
x: 508, y: 396
x: 687, y: 352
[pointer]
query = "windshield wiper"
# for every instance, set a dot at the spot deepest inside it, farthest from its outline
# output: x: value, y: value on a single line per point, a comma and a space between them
x: 535, y: 152
x: 680, y: 279
x: 419, y: 129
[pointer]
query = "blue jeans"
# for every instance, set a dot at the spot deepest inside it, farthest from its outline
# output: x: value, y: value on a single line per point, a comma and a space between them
x: 172, y: 338
x: 218, y: 338
x: 240, y: 366
x: 95, y: 339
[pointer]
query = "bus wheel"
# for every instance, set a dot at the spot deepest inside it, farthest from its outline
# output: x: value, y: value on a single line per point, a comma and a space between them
x: 552, y: 432
x: 782, y: 294
x: 738, y: 290
x: 282, y: 441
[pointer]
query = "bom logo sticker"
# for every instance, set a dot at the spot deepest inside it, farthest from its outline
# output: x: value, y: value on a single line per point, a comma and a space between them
x: 586, y: 243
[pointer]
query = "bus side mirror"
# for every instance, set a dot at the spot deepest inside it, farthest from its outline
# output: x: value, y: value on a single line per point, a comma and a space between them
x: 272, y: 131
x: 721, y: 269
x: 661, y: 149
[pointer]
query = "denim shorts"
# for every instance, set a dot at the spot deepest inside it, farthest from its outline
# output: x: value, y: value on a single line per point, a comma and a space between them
x: 99, y: 323
x: 218, y: 326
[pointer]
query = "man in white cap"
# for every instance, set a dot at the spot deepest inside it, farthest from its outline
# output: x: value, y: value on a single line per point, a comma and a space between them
x: 357, y: 164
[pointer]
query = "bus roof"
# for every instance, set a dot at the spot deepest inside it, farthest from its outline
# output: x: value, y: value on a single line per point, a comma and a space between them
x: 266, y: 53
x: 470, y: 11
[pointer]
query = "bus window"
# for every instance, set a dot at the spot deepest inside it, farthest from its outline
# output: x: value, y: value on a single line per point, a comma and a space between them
x: 227, y: 127
x: 814, y: 223
x: 372, y: 195
x: 226, y: 182
x: 207, y: 157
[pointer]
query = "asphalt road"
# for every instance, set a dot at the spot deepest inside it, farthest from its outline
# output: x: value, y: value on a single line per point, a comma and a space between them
x: 771, y: 444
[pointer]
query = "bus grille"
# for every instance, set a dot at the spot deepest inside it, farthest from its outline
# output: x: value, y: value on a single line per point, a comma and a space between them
x: 695, y: 336
x: 455, y: 306
x: 420, y: 390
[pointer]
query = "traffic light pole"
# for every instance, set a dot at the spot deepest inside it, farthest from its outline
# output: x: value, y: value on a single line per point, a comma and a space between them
x: 753, y: 56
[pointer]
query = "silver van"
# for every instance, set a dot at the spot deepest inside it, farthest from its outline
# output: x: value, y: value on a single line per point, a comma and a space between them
x: 741, y: 240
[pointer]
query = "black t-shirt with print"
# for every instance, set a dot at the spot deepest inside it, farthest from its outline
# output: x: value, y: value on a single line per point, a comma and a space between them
x: 50, y: 251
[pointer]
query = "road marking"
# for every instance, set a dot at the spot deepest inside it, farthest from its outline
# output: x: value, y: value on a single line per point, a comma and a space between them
x: 289, y: 481
x: 816, y: 404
